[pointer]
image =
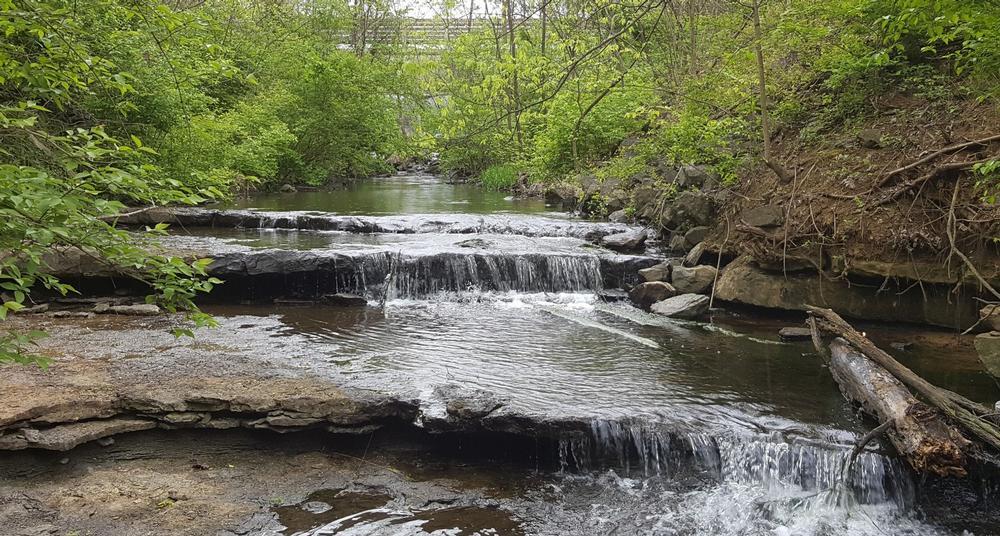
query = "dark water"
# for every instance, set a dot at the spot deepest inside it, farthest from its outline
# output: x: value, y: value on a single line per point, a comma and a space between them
x: 696, y: 427
x: 400, y: 194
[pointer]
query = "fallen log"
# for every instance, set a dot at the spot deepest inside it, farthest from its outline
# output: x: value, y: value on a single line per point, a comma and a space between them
x: 971, y: 416
x: 918, y: 432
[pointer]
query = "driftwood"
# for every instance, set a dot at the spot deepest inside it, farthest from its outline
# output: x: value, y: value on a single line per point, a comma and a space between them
x: 971, y: 418
x: 920, y: 433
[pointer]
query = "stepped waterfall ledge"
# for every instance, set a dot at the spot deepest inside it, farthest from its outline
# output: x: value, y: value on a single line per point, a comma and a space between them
x: 498, y: 268
x: 505, y: 338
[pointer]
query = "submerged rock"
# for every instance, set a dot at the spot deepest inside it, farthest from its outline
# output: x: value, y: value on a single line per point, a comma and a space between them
x: 646, y: 294
x: 683, y: 306
x: 612, y: 295
x: 627, y: 241
x: 988, y: 347
x: 794, y: 334
x: 693, y: 280
x: 341, y: 299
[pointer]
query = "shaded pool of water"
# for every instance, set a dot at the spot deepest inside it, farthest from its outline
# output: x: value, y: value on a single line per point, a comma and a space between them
x: 399, y: 194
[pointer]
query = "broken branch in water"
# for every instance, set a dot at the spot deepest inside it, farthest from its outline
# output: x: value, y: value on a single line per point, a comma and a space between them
x: 968, y: 416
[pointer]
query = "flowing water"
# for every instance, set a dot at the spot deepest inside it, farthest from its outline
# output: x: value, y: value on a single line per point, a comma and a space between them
x: 691, y: 428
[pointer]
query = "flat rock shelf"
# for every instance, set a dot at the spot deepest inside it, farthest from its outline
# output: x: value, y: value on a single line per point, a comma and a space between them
x: 446, y: 366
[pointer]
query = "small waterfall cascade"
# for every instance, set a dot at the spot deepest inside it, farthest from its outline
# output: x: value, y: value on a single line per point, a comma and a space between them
x: 770, y: 461
x: 395, y: 276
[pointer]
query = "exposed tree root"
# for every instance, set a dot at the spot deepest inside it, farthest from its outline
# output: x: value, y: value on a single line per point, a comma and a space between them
x: 936, y: 154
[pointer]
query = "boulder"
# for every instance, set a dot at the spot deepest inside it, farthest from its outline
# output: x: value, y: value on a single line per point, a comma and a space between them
x: 677, y: 242
x: 743, y: 282
x: 341, y: 299
x: 988, y: 347
x: 763, y: 216
x: 660, y: 272
x: 696, y: 235
x: 683, y: 306
x: 693, y: 257
x: 287, y: 189
x: 650, y: 292
x: 627, y: 241
x: 690, y: 209
x: 692, y: 280
x: 794, y: 334
x: 561, y: 195
x: 618, y: 216
x: 692, y: 177
x: 990, y: 316
x: 140, y: 309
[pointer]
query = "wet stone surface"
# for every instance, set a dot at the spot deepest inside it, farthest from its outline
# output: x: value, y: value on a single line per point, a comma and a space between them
x: 472, y: 383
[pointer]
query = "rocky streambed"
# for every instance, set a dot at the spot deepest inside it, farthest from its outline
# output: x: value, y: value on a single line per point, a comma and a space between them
x: 448, y: 376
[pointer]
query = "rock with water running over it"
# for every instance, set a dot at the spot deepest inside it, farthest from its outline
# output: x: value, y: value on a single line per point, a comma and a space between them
x: 660, y: 272
x: 646, y: 294
x: 988, y: 347
x: 627, y: 241
x: 794, y: 334
x: 683, y: 306
x: 342, y: 299
x: 612, y: 295
x: 692, y: 280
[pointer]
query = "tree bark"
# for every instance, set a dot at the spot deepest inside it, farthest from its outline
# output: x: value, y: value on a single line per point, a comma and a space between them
x: 765, y: 121
x: 918, y: 432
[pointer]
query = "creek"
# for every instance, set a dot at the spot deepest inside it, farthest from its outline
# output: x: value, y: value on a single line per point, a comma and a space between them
x: 654, y: 426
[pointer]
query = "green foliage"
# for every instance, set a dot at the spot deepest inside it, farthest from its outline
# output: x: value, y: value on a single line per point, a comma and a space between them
x: 83, y: 85
x: 988, y: 180
x: 499, y: 177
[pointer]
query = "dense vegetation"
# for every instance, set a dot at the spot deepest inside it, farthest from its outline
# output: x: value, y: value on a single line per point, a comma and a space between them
x: 109, y: 104
x: 695, y: 82
x: 112, y: 103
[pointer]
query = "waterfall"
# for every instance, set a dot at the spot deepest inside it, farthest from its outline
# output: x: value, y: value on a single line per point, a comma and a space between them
x: 769, y: 461
x: 422, y: 276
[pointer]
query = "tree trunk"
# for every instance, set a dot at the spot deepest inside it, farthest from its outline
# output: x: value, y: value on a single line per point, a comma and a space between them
x: 515, y: 89
x: 765, y: 122
x: 918, y: 432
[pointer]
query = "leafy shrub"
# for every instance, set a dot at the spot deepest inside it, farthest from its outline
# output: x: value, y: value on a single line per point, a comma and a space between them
x: 502, y: 177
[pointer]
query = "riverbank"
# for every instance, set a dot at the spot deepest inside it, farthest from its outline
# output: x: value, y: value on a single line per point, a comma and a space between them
x: 882, y: 219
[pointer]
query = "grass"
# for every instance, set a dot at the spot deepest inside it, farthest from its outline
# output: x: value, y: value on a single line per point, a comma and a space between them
x: 499, y: 177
